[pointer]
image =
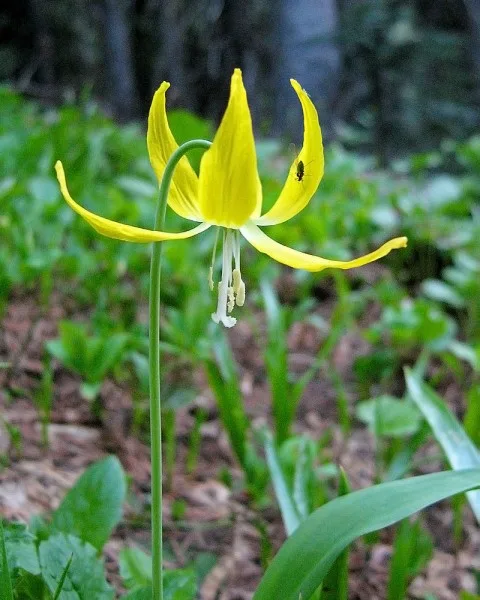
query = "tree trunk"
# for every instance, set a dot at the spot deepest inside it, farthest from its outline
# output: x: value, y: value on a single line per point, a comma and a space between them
x: 473, y: 10
x: 170, y: 52
x: 120, y: 84
x: 309, y: 53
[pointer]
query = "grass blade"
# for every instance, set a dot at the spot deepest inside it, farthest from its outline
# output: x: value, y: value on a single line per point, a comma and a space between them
x: 290, y: 516
x: 412, y: 549
x: 472, y: 414
x: 62, y: 578
x: 276, y: 363
x: 308, y: 554
x: 224, y: 382
x: 459, y: 448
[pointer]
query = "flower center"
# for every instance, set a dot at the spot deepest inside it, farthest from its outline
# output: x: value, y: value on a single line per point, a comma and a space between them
x: 231, y: 289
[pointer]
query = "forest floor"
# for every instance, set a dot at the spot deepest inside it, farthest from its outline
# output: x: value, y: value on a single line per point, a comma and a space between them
x: 217, y: 519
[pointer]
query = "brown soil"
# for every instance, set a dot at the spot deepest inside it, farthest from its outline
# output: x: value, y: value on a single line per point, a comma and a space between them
x: 217, y: 519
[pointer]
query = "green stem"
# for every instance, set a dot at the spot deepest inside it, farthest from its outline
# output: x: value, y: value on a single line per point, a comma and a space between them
x: 154, y: 362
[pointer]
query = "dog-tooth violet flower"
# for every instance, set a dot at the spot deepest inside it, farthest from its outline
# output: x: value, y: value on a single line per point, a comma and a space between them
x: 227, y: 194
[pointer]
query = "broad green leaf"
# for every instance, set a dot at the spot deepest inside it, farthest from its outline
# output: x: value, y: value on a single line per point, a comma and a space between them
x: 310, y: 551
x: 21, y: 551
x: 178, y: 584
x: 459, y: 448
x: 93, y: 506
x: 84, y: 580
x: 135, y: 567
x: 28, y: 586
x: 335, y: 585
x: 389, y: 416
x: 6, y: 592
x: 104, y: 354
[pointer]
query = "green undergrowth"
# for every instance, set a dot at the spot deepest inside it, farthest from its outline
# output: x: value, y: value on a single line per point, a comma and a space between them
x: 418, y: 308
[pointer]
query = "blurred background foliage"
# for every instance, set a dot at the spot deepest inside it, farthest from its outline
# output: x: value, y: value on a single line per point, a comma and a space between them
x: 389, y: 76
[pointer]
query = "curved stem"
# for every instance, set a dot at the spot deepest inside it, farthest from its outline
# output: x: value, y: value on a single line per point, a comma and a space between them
x: 154, y: 367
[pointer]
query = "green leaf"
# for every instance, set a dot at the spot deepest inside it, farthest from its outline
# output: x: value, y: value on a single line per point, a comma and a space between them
x: 276, y: 363
x: 28, y: 586
x: 308, y: 554
x: 135, y: 567
x: 290, y: 516
x: 466, y: 353
x: 443, y: 292
x: 6, y: 592
x: 302, y: 476
x: 89, y: 391
x: 43, y: 189
x: 459, y: 448
x: 21, y: 551
x: 389, y: 416
x: 335, y: 585
x: 224, y: 381
x: 412, y: 549
x: 93, y: 506
x: 103, y: 355
x: 85, y: 578
x: 74, y: 341
x: 471, y: 420
x: 178, y: 584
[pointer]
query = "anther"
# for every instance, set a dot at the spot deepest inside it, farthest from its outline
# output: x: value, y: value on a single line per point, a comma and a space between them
x: 238, y: 287
x: 231, y: 300
x: 240, y: 297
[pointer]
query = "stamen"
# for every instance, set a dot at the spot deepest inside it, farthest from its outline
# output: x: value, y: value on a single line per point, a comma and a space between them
x: 231, y: 289
x: 212, y: 264
x: 225, y: 297
x: 238, y: 284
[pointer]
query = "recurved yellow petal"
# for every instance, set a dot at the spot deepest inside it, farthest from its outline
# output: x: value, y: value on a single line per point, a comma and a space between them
x: 229, y: 189
x: 183, y: 194
x: 119, y: 231
x: 301, y: 260
x: 298, y: 189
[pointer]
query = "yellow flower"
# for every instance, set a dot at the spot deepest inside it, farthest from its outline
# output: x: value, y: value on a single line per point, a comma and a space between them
x: 227, y: 193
